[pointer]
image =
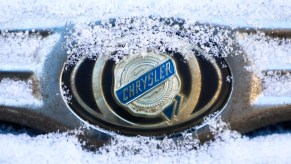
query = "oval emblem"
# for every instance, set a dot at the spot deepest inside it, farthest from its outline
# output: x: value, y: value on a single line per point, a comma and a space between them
x: 147, y: 95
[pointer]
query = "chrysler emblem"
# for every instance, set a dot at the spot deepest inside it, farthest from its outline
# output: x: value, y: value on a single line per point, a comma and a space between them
x: 147, y: 85
x: 150, y: 94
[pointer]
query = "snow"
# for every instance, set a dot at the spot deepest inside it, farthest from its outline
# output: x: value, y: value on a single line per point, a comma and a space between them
x: 33, y: 14
x: 14, y: 48
x: 17, y: 93
x: 23, y: 54
x: 270, y: 60
x: 228, y: 146
x: 15, y: 89
x: 145, y: 34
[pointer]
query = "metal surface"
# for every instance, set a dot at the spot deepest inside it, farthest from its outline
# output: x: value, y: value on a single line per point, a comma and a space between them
x: 246, y: 108
x: 152, y: 95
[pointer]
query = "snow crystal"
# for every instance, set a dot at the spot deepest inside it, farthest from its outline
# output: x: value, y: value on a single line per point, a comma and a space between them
x: 17, y: 93
x: 113, y: 39
x: 228, y: 147
x: 270, y: 60
x: 48, y: 13
x: 144, y: 34
x: 66, y: 93
x: 18, y: 48
x: 16, y: 89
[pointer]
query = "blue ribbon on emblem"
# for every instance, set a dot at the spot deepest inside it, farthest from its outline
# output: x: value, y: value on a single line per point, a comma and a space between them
x: 145, y: 82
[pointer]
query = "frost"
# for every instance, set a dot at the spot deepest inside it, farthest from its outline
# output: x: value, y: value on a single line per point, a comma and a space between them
x: 119, y: 37
x: 228, y: 147
x: 15, y: 90
x: 229, y: 79
x: 19, y: 49
x: 18, y: 93
x: 136, y: 38
x: 33, y: 14
x: 66, y: 93
x: 270, y: 60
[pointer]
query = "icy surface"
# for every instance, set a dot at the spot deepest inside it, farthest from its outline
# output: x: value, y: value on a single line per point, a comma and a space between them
x: 49, y: 13
x: 138, y: 35
x: 24, y: 51
x: 15, y: 89
x: 228, y: 147
x: 270, y: 60
x: 17, y: 93
x: 19, y: 49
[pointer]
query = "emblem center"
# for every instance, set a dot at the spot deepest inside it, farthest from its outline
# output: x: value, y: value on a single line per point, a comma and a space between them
x: 146, y: 85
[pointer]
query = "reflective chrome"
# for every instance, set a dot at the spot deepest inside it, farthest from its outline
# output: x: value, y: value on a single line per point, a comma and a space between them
x: 150, y: 95
x: 245, y: 108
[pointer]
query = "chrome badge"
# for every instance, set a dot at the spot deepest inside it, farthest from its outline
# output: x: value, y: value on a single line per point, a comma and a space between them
x: 152, y: 94
x: 147, y: 85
